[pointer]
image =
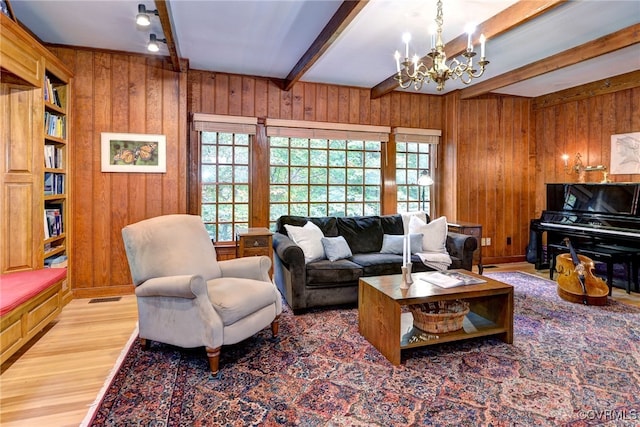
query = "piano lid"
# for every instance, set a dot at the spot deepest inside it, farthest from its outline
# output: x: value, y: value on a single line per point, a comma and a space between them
x: 609, y: 198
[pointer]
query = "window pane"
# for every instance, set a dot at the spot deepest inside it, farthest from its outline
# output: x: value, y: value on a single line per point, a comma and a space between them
x: 241, y: 174
x: 241, y: 155
x: 225, y: 173
x: 337, y: 176
x: 299, y: 157
x: 279, y: 175
x: 242, y: 194
x: 208, y: 194
x: 279, y: 156
x: 277, y: 210
x: 225, y: 155
x: 209, y: 153
x: 208, y: 173
x: 318, y: 176
x: 298, y: 193
x: 279, y: 193
x: 299, y: 176
x: 319, y: 157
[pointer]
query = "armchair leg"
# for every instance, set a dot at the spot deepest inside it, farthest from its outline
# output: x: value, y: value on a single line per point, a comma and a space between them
x: 275, y: 326
x: 214, y: 358
x: 146, y: 345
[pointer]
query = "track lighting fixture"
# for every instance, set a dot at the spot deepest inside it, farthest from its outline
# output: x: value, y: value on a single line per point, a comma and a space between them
x: 142, y: 18
x: 153, y: 43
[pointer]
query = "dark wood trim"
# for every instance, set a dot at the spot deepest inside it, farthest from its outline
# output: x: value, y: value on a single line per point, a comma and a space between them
x: 592, y: 49
x: 346, y: 13
x: 167, y: 28
x: 513, y: 16
x: 600, y: 87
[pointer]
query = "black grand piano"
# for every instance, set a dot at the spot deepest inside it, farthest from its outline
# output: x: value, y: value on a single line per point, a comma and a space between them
x: 603, y: 217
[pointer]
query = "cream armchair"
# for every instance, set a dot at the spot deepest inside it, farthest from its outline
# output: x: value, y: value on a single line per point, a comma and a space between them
x: 189, y: 299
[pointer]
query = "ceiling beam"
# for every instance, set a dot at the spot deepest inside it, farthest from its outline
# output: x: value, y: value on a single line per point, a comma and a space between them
x: 167, y: 28
x: 589, y: 90
x: 594, y: 48
x: 347, y: 11
x: 513, y: 16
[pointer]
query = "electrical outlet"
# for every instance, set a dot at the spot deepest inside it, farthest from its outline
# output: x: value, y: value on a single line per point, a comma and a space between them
x: 488, y: 241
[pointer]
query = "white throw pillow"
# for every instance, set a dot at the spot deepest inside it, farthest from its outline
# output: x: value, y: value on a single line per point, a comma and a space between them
x: 406, y: 219
x: 309, y: 238
x: 434, y: 234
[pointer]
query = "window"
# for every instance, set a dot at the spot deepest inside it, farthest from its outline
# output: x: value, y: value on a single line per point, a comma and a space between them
x: 224, y: 169
x: 224, y: 173
x: 412, y: 159
x: 324, y: 177
x: 324, y: 172
x: 415, y: 156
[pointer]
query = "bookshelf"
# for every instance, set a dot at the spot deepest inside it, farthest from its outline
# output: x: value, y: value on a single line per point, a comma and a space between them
x: 55, y: 180
x: 35, y: 180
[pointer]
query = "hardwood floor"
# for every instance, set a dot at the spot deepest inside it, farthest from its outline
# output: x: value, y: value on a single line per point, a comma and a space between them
x: 57, y: 376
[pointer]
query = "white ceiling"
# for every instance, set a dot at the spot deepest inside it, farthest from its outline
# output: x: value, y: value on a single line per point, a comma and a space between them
x: 268, y: 37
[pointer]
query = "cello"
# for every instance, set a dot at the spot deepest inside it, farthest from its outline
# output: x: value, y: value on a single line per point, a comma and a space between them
x: 576, y: 281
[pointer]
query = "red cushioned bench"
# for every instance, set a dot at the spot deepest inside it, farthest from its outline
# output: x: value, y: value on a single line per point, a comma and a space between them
x: 29, y: 300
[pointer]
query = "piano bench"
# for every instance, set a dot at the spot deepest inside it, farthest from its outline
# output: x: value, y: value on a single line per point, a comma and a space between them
x: 608, y: 254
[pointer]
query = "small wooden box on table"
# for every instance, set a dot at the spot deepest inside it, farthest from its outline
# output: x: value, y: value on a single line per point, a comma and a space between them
x: 383, y: 323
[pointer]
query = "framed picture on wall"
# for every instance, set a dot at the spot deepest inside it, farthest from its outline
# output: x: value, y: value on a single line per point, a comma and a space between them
x: 625, y: 153
x: 132, y: 152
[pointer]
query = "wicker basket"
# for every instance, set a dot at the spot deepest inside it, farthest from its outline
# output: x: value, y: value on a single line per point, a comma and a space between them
x: 440, y: 316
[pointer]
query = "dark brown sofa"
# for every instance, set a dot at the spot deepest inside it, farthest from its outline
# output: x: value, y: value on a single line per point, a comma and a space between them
x: 326, y: 283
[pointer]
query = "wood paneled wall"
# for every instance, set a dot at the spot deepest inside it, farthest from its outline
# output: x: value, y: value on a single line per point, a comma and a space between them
x: 584, y: 126
x: 130, y: 94
x: 495, y: 156
x: 487, y: 170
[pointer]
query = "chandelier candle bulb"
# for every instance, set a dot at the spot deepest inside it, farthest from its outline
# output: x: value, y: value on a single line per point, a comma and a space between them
x: 397, y: 57
x: 482, y: 41
x: 406, y: 38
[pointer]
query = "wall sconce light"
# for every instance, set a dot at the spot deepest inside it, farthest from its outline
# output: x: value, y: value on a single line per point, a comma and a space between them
x: 579, y: 167
x: 142, y: 18
x: 153, y: 46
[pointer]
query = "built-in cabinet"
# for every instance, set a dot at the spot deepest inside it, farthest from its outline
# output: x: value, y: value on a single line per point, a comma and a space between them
x: 35, y: 133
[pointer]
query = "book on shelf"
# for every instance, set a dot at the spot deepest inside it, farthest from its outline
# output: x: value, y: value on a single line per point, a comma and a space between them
x: 53, y: 183
x: 59, y: 261
x: 53, y: 156
x: 54, y: 222
x: 449, y: 279
x: 55, y: 125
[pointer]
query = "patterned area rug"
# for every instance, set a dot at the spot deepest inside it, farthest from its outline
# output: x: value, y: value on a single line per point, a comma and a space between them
x: 569, y: 365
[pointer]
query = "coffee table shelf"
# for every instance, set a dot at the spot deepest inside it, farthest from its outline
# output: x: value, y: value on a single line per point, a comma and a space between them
x: 473, y: 326
x: 385, y: 324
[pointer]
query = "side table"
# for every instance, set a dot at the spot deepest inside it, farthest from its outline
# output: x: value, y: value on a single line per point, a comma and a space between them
x: 470, y: 229
x: 254, y: 242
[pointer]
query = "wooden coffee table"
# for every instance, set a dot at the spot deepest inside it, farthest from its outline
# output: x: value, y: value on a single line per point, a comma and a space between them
x: 383, y: 323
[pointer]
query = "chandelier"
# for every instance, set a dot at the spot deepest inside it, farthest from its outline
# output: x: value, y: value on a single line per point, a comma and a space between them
x: 418, y: 73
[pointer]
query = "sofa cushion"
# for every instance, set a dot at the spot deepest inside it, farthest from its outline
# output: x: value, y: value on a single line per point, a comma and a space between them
x: 363, y: 234
x: 377, y: 264
x: 392, y: 244
x: 325, y: 273
x: 434, y: 234
x: 336, y: 248
x: 326, y: 223
x: 392, y: 224
x: 309, y: 238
